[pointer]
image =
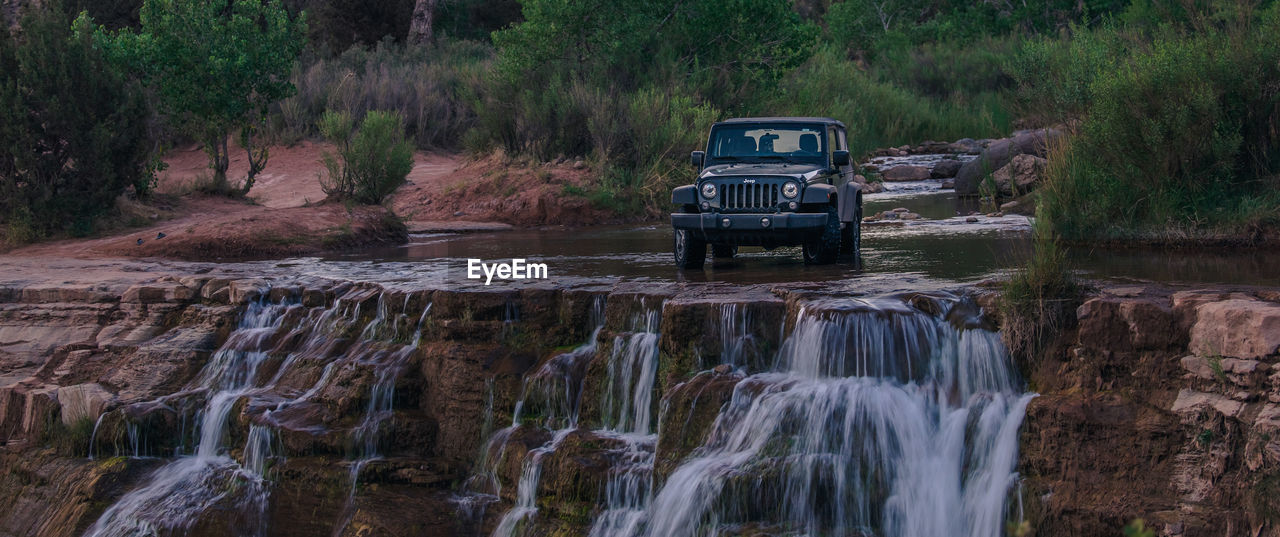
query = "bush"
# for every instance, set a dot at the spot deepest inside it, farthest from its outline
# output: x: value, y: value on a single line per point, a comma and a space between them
x: 1053, y: 76
x: 880, y: 114
x: 73, y: 129
x: 1180, y: 142
x: 371, y: 162
x: 432, y: 88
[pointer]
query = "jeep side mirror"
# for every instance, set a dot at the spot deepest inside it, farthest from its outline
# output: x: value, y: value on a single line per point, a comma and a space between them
x: 696, y: 158
x: 840, y: 158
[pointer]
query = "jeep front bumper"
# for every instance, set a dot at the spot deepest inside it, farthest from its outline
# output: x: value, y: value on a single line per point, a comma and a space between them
x: 750, y: 229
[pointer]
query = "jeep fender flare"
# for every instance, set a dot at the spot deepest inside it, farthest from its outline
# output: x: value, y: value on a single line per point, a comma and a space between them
x: 818, y: 194
x: 850, y: 198
x: 684, y: 195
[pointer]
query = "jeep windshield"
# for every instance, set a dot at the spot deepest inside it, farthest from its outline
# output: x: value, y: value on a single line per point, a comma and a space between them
x: 768, y: 143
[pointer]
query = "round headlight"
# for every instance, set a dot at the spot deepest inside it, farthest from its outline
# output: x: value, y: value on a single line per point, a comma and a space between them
x: 790, y: 190
x: 708, y: 190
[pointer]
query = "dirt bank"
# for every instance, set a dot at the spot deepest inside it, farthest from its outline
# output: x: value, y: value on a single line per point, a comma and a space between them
x: 218, y: 228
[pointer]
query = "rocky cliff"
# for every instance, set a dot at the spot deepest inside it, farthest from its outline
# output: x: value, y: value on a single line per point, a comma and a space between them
x: 308, y: 406
x: 1160, y: 404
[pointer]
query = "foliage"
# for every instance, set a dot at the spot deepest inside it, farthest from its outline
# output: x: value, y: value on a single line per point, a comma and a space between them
x: 432, y: 88
x: 216, y: 67
x: 336, y: 25
x: 1181, y: 142
x: 879, y: 114
x: 1038, y: 303
x: 371, y: 162
x: 719, y: 46
x: 1054, y: 75
x: 1138, y: 528
x: 73, y: 130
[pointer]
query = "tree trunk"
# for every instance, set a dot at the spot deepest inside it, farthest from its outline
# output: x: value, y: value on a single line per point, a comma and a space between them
x: 420, y: 31
x: 257, y: 158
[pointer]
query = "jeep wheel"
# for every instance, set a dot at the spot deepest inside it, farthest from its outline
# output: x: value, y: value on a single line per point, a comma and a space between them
x: 851, y: 237
x: 824, y: 249
x: 691, y: 253
x: 723, y: 251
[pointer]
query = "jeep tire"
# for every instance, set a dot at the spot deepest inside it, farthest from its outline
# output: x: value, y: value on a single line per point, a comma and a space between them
x: 823, y: 249
x: 851, y: 237
x: 723, y: 251
x: 690, y: 253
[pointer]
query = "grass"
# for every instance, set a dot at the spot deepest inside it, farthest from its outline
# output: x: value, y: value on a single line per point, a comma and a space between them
x: 1038, y: 303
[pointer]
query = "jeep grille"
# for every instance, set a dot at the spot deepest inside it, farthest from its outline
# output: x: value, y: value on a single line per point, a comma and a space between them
x: 749, y: 196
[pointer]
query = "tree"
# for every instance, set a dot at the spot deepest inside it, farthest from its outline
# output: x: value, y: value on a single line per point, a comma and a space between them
x: 420, y: 31
x: 73, y: 130
x: 216, y: 66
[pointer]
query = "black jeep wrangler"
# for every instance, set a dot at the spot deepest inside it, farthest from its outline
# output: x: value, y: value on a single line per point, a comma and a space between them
x: 770, y: 181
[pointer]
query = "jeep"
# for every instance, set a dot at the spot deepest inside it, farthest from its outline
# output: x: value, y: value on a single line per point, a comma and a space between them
x: 770, y: 182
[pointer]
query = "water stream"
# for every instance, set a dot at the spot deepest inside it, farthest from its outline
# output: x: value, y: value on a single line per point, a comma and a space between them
x: 875, y: 418
x: 174, y: 496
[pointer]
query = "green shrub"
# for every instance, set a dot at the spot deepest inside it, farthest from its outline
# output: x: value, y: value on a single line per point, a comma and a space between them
x: 432, y: 88
x: 371, y: 162
x: 1053, y: 75
x: 879, y: 114
x: 73, y: 129
x: 1180, y: 142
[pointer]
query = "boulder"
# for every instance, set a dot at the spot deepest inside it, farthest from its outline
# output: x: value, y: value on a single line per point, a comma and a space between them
x: 1237, y: 328
x: 83, y: 401
x: 945, y: 168
x: 906, y: 173
x: 1020, y: 175
x: 967, y: 146
x: 1121, y: 324
x: 999, y: 153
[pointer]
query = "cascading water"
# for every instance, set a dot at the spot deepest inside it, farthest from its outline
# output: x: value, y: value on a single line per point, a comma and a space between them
x: 627, y: 416
x: 879, y: 419
x: 178, y: 493
x: 188, y: 486
x: 554, y: 395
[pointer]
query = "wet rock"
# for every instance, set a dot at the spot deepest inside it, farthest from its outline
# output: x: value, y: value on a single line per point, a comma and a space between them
x: 1021, y: 175
x: 908, y: 216
x: 1238, y: 328
x: 945, y: 168
x: 971, y: 219
x: 873, y: 188
x: 1001, y: 152
x: 949, y: 183
x: 692, y: 408
x: 965, y: 146
x: 906, y: 173
x: 247, y: 290
x: 83, y: 402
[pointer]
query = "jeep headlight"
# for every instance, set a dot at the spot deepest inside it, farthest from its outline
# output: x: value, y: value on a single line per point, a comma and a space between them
x: 708, y: 190
x: 790, y: 190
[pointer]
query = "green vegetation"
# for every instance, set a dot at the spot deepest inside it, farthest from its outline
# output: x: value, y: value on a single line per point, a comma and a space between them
x: 371, y: 162
x: 216, y: 67
x: 1170, y: 106
x: 1179, y: 141
x: 73, y: 130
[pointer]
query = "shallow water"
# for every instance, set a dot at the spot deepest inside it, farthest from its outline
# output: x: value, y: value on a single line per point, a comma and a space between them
x: 940, y: 250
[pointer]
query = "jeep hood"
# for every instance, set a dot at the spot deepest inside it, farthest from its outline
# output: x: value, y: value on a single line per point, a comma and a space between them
x: 803, y: 172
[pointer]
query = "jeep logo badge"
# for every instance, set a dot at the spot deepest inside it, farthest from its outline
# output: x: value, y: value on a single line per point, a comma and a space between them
x: 748, y: 181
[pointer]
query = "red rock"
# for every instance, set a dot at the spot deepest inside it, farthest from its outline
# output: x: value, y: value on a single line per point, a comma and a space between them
x: 1237, y: 328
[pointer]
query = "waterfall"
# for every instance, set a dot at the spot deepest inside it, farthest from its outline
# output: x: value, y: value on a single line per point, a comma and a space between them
x: 550, y: 398
x: 173, y: 497
x: 878, y: 419
x: 182, y: 489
